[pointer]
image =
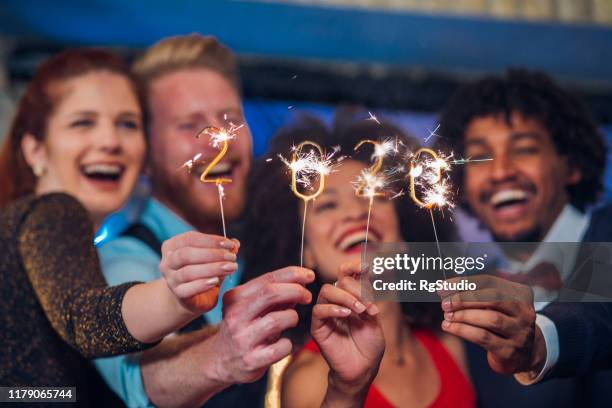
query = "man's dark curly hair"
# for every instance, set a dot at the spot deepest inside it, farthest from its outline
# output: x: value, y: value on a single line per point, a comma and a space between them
x: 272, y: 224
x: 534, y: 95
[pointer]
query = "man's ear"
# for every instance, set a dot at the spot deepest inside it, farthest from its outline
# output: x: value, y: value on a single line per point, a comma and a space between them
x: 574, y: 174
x: 34, y: 151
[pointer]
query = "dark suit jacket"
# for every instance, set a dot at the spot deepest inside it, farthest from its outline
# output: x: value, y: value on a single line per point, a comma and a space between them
x: 585, y: 334
x: 585, y: 329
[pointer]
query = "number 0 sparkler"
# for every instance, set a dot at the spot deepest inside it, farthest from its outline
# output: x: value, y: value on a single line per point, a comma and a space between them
x: 429, y: 175
x: 304, y: 168
x: 435, y: 192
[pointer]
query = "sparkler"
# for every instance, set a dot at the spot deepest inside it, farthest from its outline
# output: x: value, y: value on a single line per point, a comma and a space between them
x: 435, y: 188
x: 372, y: 117
x: 219, y: 137
x: 370, y: 183
x: 429, y: 175
x: 306, y: 167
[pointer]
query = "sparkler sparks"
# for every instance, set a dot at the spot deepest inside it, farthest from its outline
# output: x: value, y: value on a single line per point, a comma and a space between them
x: 428, y: 175
x: 371, y: 182
x: 307, y: 167
x: 432, y: 133
x: 373, y: 117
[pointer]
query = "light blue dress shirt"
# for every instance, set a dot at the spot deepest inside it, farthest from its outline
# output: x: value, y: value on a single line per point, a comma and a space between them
x: 127, y: 259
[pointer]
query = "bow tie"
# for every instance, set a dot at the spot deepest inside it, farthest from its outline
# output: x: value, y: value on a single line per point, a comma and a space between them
x: 545, y: 275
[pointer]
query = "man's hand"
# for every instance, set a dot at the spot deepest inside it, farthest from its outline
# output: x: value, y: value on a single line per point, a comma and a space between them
x: 254, y: 316
x: 498, y: 316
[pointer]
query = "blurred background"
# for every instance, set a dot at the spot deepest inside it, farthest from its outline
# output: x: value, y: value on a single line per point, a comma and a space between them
x: 401, y: 59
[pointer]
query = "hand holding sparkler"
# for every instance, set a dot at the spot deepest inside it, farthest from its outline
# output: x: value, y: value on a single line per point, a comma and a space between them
x: 193, y: 265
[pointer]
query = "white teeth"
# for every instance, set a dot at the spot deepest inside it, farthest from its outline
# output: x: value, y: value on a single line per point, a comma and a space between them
x: 354, y: 238
x: 221, y: 168
x: 107, y: 169
x: 508, y: 195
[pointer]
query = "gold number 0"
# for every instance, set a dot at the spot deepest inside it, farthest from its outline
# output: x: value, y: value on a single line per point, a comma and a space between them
x: 211, y: 130
x: 440, y: 168
x: 294, y: 158
x: 373, y: 169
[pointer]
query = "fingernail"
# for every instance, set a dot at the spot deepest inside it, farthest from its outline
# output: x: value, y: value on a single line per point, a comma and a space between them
x: 373, y: 310
x: 227, y: 244
x: 343, y: 310
x: 230, y: 266
x: 228, y: 256
x: 449, y: 316
x: 446, y: 305
x: 445, y: 324
x: 212, y: 281
x: 360, y: 307
x: 311, y: 274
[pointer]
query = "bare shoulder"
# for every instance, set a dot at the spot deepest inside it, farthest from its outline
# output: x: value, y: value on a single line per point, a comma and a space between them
x: 305, y: 381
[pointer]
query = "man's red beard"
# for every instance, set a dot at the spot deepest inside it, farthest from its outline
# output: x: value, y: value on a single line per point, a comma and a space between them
x: 182, y: 193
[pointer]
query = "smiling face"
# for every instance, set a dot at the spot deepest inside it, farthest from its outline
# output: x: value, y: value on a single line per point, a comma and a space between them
x: 94, y: 145
x: 336, y: 222
x: 182, y: 104
x: 520, y: 193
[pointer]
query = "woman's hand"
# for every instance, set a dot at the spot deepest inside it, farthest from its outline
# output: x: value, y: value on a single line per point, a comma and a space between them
x: 349, y: 335
x: 194, y: 265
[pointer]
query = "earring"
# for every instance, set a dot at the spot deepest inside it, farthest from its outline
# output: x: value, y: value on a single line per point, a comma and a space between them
x: 39, y: 170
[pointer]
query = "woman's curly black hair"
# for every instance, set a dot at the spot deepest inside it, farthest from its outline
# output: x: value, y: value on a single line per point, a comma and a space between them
x: 534, y: 95
x: 272, y: 224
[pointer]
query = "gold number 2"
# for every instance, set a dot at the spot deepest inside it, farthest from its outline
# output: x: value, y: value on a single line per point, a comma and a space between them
x: 372, y: 170
x: 212, y: 131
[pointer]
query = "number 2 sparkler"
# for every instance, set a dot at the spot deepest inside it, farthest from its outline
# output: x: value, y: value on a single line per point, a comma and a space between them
x: 370, y: 182
x: 218, y: 137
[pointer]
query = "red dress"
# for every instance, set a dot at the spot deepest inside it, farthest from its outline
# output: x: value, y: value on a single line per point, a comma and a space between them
x: 455, y: 389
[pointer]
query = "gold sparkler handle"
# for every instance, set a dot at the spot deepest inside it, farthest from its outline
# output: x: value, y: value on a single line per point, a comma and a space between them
x: 294, y: 158
x: 413, y: 195
x: 373, y: 169
x: 215, y: 160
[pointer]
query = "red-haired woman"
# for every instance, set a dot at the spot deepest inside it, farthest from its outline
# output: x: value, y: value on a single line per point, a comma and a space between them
x: 72, y: 156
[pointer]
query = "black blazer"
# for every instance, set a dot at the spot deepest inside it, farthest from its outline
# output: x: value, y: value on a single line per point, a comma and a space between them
x: 581, y: 350
x: 585, y: 329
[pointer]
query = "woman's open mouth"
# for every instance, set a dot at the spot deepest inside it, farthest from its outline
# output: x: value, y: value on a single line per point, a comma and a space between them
x: 351, y: 241
x: 103, y: 175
